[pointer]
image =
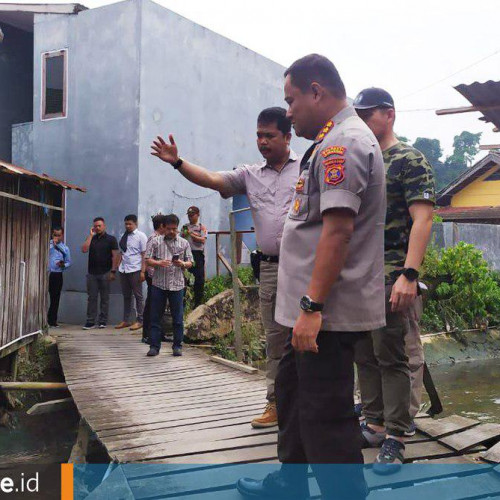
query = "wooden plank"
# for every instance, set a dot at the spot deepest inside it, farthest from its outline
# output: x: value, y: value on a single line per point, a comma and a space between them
x: 444, y: 426
x: 137, y: 420
x: 181, y: 449
x: 472, y: 486
x: 493, y: 454
x: 233, y: 364
x: 217, y: 434
x: 122, y: 441
x: 122, y: 431
x: 234, y: 456
x: 148, y: 414
x: 51, y: 406
x: 472, y: 437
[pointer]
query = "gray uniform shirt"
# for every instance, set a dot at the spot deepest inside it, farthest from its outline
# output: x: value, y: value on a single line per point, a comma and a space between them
x: 345, y: 170
x: 269, y: 194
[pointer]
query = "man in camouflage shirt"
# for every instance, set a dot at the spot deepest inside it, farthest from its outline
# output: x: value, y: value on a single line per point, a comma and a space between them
x: 383, y: 368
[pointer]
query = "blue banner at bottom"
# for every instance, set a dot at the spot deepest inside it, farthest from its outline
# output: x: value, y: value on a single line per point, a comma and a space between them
x: 343, y: 482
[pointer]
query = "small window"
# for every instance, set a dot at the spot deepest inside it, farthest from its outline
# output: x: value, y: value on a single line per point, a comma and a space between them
x: 495, y: 176
x: 54, y: 84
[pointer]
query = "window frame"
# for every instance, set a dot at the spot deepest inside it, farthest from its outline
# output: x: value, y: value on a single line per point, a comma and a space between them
x: 47, y: 55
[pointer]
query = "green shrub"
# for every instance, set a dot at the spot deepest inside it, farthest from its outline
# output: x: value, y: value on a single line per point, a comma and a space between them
x: 218, y: 284
x: 463, y: 291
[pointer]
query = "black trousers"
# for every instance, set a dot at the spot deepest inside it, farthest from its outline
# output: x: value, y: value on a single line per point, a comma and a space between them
x: 146, y: 320
x: 55, y: 287
x: 317, y: 425
x: 198, y: 272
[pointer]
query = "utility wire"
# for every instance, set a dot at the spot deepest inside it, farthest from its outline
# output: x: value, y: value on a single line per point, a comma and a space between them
x: 453, y: 74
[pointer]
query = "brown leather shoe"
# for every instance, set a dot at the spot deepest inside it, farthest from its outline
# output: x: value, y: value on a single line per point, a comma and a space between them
x: 268, y: 419
x: 121, y: 325
x: 136, y: 326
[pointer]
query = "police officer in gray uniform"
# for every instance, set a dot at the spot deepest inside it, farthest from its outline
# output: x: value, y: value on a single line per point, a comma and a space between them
x: 330, y: 286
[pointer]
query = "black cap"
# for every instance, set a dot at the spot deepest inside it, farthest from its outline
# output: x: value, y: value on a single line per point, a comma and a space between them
x: 373, y: 98
x: 193, y: 210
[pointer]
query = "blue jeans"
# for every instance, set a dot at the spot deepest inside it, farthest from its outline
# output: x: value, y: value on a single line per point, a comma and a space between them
x: 159, y: 299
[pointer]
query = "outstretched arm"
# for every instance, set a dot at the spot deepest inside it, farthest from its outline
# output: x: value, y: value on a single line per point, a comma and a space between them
x: 194, y: 173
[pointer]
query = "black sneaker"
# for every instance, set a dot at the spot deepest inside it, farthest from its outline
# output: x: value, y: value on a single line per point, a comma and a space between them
x: 273, y: 486
x: 102, y: 325
x: 177, y: 351
x: 371, y: 438
x: 412, y: 430
x: 390, y: 457
x: 54, y: 326
x: 145, y: 340
x: 153, y: 352
x: 89, y: 326
x: 358, y: 410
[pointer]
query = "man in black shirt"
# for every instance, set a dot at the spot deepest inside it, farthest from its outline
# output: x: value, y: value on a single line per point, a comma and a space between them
x: 103, y: 257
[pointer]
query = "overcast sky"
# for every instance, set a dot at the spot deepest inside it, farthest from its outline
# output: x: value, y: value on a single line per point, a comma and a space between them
x: 410, y: 48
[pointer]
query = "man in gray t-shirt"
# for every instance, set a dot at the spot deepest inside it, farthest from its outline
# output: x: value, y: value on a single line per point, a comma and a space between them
x: 269, y: 186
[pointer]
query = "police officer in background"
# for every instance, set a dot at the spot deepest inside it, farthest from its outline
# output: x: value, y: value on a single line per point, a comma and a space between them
x: 268, y: 185
x: 383, y: 369
x: 196, y: 234
x: 330, y: 286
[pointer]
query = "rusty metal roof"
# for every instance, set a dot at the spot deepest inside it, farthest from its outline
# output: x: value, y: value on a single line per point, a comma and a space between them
x: 483, y: 94
x: 15, y: 170
x: 469, y: 213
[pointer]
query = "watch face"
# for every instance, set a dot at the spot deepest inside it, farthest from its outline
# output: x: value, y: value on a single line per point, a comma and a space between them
x: 305, y: 303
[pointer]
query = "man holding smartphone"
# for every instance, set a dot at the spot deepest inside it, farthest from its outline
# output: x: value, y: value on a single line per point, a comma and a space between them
x: 169, y: 255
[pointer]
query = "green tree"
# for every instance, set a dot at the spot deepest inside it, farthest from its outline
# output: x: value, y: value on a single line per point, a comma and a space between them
x: 431, y: 148
x: 465, y: 148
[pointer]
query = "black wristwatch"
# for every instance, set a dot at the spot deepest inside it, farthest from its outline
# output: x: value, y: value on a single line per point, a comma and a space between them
x: 410, y: 274
x: 308, y: 305
x: 178, y: 164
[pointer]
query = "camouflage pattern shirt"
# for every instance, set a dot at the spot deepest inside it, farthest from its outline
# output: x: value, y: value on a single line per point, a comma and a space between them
x: 409, y: 178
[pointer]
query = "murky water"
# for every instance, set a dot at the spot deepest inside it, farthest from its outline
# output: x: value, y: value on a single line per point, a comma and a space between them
x: 38, y: 439
x: 471, y: 389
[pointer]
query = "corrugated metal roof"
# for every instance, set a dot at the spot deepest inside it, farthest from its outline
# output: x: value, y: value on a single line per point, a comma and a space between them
x: 469, y: 213
x: 15, y: 170
x: 472, y: 173
x: 483, y: 94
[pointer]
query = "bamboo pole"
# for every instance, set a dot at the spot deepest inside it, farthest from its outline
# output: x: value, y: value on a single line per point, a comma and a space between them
x: 32, y: 386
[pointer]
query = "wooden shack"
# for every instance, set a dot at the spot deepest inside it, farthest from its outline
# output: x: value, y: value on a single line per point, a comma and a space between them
x: 30, y: 204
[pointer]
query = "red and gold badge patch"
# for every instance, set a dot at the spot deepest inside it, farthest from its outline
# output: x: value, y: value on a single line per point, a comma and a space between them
x: 334, y: 175
x: 330, y: 162
x: 333, y: 150
x: 299, y: 187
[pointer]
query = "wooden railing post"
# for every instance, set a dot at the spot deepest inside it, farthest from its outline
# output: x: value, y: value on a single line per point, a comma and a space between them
x: 238, y: 342
x: 217, y: 250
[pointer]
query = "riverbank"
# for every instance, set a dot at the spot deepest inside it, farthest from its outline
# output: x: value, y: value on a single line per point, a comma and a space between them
x: 450, y: 348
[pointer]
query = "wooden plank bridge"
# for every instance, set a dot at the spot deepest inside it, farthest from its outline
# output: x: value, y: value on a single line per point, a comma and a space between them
x: 191, y: 411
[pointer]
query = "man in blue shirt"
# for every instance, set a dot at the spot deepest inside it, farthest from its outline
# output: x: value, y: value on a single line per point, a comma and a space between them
x: 59, y: 261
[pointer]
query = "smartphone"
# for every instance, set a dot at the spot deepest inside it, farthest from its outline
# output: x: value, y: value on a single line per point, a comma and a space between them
x: 175, y: 257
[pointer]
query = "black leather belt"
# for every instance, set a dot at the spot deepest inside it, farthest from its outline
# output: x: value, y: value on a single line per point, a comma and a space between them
x: 269, y: 258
